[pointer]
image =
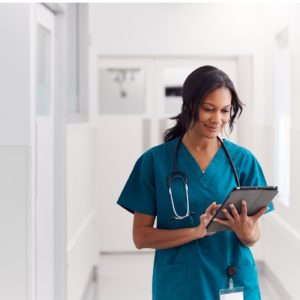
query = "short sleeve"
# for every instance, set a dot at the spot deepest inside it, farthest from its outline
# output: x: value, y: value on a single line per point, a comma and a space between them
x: 138, y: 193
x: 251, y: 174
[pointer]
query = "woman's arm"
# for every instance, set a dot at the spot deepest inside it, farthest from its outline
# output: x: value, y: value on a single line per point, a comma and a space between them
x: 146, y: 236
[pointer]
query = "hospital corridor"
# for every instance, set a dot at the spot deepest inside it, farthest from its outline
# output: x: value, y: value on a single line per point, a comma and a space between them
x: 149, y: 151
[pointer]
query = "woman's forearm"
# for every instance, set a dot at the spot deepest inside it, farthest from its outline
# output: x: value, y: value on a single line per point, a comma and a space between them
x: 149, y: 237
x: 146, y: 236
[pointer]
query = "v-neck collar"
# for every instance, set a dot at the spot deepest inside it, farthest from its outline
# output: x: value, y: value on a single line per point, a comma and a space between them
x: 193, y: 166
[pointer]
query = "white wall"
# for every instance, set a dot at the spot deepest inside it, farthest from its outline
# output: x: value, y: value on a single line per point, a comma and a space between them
x: 14, y: 195
x: 164, y: 29
x: 15, y: 192
x: 14, y: 74
x: 83, y: 241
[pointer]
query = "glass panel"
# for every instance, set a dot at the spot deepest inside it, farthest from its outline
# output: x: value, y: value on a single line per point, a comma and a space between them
x: 73, y: 57
x: 43, y: 81
x: 77, y: 60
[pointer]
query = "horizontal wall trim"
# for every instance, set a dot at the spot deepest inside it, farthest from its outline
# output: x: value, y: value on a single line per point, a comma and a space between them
x: 77, y: 118
x: 127, y: 252
x: 285, y: 226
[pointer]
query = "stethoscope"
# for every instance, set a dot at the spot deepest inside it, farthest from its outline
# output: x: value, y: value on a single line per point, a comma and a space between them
x: 176, y: 173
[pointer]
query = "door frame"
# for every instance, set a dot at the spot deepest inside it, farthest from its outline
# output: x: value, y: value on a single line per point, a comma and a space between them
x: 60, y: 216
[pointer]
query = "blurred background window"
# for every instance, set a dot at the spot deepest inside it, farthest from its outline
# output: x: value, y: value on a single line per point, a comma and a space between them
x: 282, y: 110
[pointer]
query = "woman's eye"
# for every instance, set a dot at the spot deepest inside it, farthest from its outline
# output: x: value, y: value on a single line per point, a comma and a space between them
x: 208, y: 109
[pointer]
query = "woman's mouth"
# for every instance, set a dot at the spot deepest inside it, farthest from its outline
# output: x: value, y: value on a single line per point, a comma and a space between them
x: 212, y: 128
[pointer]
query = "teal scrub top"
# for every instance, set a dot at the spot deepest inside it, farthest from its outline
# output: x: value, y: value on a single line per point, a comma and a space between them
x: 196, y: 270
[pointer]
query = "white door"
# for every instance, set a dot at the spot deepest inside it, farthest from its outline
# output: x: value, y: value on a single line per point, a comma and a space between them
x: 44, y: 158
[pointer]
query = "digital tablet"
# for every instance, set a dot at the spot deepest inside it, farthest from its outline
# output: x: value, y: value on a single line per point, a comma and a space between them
x: 255, y: 197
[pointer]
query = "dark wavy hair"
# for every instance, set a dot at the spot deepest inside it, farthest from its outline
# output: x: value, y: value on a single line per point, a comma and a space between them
x: 196, y: 87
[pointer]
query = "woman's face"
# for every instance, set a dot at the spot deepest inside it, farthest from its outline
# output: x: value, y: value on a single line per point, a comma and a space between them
x: 214, y: 113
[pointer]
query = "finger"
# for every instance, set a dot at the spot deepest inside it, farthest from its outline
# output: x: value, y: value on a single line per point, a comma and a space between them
x: 234, y: 211
x: 210, y: 208
x: 244, y: 210
x: 220, y: 221
x: 211, y: 233
x: 202, y: 217
x: 227, y: 214
x: 214, y: 209
x: 203, y: 220
x: 260, y: 213
x: 217, y: 206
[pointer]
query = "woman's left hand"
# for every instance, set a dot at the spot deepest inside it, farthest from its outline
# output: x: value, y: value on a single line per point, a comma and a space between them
x: 245, y: 227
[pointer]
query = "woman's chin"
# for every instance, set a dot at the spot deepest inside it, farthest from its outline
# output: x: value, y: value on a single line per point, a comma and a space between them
x: 212, y: 134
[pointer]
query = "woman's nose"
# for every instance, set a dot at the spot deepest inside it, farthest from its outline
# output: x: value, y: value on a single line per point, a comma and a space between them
x: 216, y: 118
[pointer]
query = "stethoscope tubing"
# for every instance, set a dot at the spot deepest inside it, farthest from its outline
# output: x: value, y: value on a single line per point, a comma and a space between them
x: 179, y: 174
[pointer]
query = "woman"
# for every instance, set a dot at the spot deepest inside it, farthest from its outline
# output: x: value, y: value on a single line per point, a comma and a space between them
x: 189, y: 262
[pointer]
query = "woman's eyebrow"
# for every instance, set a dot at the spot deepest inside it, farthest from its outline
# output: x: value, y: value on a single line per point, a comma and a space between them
x: 207, y: 103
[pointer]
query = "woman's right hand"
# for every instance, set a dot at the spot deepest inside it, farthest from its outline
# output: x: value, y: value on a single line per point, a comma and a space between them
x: 205, y: 219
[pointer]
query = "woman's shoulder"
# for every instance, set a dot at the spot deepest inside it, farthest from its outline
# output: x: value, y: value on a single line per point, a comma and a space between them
x: 157, y: 154
x: 238, y: 151
x: 160, y: 149
x: 247, y: 165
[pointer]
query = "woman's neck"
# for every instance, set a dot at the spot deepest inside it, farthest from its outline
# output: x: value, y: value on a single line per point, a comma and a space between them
x: 200, y: 144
